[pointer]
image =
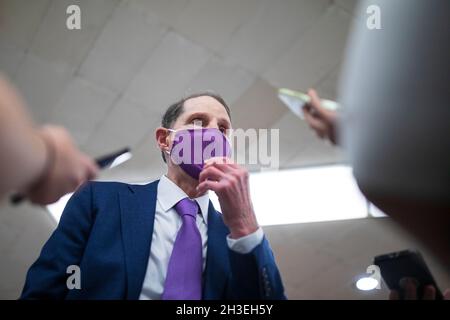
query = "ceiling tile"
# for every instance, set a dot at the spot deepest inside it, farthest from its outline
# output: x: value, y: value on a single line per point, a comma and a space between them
x: 299, y: 256
x: 293, y: 129
x: 125, y: 126
x: 212, y: 22
x: 315, y: 54
x: 295, y: 136
x: 348, y: 5
x: 19, y: 21
x: 328, y: 86
x: 258, y: 107
x: 163, y: 11
x: 42, y: 84
x: 56, y: 43
x: 299, y: 145
x: 318, y: 152
x: 223, y: 78
x: 82, y: 107
x: 271, y: 31
x: 338, y: 282
x: 167, y: 73
x: 121, y: 49
x: 10, y: 59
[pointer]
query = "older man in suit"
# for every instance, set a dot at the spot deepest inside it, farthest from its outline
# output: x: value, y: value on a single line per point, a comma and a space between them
x: 165, y: 240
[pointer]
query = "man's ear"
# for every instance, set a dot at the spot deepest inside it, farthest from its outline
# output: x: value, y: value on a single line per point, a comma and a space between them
x: 162, y: 139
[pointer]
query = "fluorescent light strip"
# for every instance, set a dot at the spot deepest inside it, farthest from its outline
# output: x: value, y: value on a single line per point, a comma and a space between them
x: 304, y: 195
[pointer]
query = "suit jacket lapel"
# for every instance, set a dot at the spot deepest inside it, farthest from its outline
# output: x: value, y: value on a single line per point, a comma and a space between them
x: 137, y: 218
x: 217, y: 268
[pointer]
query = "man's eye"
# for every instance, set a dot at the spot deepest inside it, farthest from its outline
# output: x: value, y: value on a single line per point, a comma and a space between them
x: 197, y: 122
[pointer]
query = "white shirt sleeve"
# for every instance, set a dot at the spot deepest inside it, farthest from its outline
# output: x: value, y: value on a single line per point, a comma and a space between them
x: 247, y: 243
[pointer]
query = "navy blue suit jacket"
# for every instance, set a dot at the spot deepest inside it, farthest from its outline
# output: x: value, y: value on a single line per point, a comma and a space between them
x: 106, y: 229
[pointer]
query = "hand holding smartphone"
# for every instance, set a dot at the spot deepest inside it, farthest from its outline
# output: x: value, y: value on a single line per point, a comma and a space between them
x: 398, y: 267
x: 296, y: 100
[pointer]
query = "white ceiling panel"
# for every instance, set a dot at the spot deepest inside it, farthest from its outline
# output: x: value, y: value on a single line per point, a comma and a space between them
x: 126, y: 125
x: 309, y: 268
x: 20, y: 19
x: 164, y: 11
x: 82, y: 107
x: 316, y: 152
x: 258, y: 107
x: 315, y: 54
x: 228, y: 80
x: 165, y: 76
x: 123, y: 46
x: 328, y: 86
x: 212, y: 22
x: 295, y: 135
x: 349, y: 5
x: 56, y: 43
x: 42, y: 84
x: 271, y: 31
x: 299, y: 145
x: 293, y: 129
x: 10, y: 59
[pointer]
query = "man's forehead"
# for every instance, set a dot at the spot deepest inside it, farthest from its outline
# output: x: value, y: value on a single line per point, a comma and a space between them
x: 204, y: 104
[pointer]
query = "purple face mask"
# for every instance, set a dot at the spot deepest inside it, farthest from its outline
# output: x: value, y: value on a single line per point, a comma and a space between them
x: 191, y: 147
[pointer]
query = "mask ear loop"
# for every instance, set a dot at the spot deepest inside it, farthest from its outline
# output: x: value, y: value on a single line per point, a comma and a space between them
x: 171, y: 131
x: 228, y: 134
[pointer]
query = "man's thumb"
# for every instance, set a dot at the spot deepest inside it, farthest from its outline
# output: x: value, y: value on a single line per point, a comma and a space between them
x: 447, y: 294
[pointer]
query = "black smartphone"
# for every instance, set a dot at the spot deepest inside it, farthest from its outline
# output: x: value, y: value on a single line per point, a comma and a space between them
x: 397, y: 266
x: 106, y: 161
x: 103, y: 162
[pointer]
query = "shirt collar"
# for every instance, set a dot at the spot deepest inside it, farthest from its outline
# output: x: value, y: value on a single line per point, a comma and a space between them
x: 169, y: 194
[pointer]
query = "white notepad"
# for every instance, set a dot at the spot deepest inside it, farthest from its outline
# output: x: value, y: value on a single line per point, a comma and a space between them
x: 295, y: 101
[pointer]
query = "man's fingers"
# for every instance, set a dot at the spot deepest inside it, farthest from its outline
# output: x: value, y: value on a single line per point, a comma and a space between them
x: 315, y: 103
x: 220, y: 160
x: 316, y: 124
x: 92, y: 169
x: 410, y: 290
x: 315, y: 100
x: 394, y: 295
x: 447, y: 294
x: 211, y: 173
x: 429, y: 293
x: 208, y: 185
x: 226, y: 166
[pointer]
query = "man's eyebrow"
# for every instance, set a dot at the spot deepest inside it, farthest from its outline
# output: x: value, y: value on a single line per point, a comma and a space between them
x: 197, y: 114
x: 225, y: 120
x: 204, y: 114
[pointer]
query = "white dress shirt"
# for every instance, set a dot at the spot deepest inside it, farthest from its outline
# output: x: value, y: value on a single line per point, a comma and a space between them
x: 165, y: 229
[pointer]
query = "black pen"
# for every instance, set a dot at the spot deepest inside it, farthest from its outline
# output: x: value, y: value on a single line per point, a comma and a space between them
x: 104, y: 162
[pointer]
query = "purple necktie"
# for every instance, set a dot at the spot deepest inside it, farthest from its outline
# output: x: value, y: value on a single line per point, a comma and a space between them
x: 184, y: 274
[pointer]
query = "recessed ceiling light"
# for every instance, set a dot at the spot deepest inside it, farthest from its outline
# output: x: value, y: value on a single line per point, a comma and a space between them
x: 366, y: 284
